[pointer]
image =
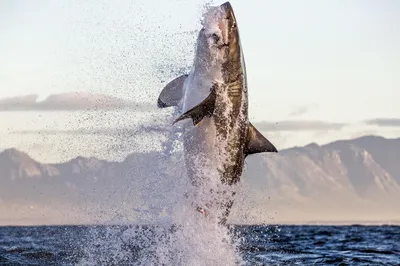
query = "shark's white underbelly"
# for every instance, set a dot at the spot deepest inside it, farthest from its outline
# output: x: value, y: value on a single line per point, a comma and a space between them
x: 200, y: 141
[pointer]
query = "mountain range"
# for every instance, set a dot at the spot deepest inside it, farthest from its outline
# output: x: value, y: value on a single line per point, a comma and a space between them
x: 348, y: 180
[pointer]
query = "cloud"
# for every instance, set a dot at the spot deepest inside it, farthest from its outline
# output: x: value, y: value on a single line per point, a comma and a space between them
x: 118, y: 132
x: 384, y: 122
x: 298, y: 125
x: 151, y: 129
x: 71, y: 102
x: 301, y: 110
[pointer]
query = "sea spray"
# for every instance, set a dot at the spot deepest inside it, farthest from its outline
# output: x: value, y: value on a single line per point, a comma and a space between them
x: 189, y: 238
x: 172, y: 232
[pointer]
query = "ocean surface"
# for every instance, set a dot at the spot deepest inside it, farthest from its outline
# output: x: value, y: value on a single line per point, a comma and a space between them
x: 258, y: 245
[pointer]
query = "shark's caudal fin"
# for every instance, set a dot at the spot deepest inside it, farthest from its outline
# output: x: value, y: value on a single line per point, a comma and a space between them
x: 172, y: 93
x: 205, y: 108
x: 257, y: 143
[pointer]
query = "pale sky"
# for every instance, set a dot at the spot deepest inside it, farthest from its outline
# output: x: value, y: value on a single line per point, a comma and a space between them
x: 335, y: 61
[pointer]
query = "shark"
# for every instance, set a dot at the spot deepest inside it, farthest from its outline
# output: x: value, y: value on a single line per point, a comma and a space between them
x: 213, y: 103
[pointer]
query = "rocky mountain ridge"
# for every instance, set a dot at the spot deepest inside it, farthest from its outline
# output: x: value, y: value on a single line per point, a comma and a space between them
x: 364, y: 164
x: 342, y: 175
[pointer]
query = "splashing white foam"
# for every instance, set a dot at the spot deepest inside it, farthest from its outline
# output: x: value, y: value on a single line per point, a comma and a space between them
x: 198, y: 240
x: 179, y: 235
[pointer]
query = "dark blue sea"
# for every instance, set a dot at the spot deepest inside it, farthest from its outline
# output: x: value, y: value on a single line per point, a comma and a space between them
x: 259, y: 245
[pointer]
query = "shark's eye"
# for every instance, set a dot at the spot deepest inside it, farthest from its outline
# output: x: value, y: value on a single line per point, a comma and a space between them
x: 233, y: 25
x: 215, y: 37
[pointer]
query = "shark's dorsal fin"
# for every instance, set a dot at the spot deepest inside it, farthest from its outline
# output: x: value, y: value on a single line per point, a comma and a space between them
x: 172, y: 93
x: 257, y: 143
x: 205, y: 108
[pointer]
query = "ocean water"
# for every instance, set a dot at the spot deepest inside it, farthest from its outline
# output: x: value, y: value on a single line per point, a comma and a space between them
x: 258, y: 245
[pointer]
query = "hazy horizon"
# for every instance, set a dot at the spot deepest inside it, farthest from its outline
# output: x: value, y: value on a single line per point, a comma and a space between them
x: 342, y: 182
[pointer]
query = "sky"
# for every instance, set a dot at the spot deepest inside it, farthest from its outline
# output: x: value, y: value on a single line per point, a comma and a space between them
x: 319, y: 70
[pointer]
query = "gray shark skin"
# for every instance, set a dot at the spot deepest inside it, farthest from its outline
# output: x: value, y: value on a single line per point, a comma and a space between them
x: 213, y: 99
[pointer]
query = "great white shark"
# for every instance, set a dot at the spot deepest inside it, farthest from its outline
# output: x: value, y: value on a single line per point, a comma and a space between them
x: 213, y: 101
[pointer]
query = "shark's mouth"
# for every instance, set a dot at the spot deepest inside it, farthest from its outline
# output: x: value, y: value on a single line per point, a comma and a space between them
x: 222, y: 45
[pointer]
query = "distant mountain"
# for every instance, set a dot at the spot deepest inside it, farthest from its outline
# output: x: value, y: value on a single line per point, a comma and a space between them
x: 347, y: 178
x: 364, y: 168
x: 70, y: 101
x: 18, y: 165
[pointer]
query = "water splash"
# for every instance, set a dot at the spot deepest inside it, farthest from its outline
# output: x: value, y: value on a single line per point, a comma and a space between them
x: 174, y: 232
x: 195, y: 239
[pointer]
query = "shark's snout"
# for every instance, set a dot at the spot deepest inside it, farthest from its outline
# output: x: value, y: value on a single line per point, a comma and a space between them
x: 226, y: 6
x: 227, y: 25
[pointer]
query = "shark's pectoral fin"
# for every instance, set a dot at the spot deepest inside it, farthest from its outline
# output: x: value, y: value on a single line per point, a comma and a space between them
x: 172, y: 93
x: 205, y: 108
x: 257, y: 143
